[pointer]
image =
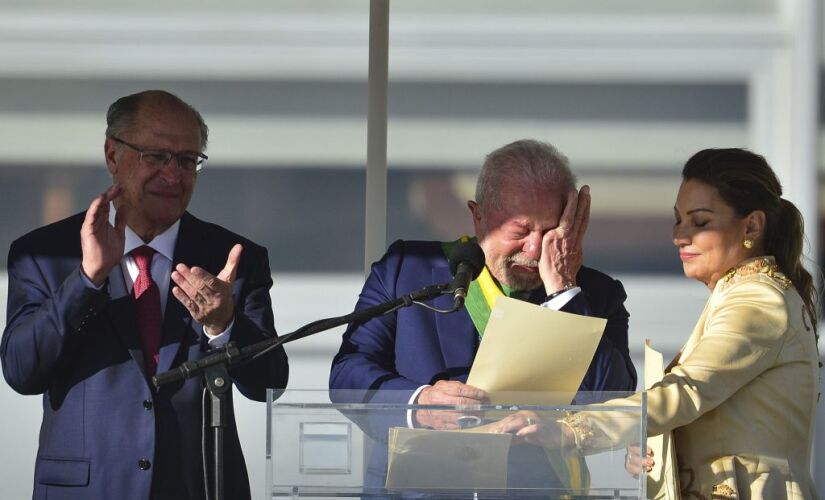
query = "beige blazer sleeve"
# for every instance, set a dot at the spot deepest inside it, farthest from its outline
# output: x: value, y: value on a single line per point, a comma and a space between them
x: 741, y: 338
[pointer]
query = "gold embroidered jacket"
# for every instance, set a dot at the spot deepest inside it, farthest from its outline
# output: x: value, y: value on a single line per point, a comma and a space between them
x: 742, y: 398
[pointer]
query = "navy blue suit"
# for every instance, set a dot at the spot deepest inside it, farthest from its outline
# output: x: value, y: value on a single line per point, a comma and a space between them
x: 106, y: 433
x: 390, y: 356
x: 415, y: 346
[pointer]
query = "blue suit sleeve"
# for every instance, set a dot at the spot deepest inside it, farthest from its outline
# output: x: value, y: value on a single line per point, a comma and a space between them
x: 611, y: 368
x: 366, y: 359
x: 254, y: 323
x: 43, y: 317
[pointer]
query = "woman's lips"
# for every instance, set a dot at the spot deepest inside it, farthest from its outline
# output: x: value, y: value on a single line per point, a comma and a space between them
x: 687, y: 256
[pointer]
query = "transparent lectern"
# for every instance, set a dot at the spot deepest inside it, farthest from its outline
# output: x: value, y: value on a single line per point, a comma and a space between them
x: 356, y: 444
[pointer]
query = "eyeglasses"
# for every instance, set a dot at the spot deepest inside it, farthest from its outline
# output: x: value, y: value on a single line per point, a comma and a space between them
x: 158, y: 158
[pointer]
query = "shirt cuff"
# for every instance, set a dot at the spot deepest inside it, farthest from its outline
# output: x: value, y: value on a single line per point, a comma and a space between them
x: 220, y: 339
x: 89, y: 283
x: 559, y: 301
x: 412, y: 402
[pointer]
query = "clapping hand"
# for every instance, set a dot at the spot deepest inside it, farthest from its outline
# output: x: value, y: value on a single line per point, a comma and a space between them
x: 101, y: 243
x: 208, y: 298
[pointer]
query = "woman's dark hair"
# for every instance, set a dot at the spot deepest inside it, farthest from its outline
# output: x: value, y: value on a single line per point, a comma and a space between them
x: 746, y: 182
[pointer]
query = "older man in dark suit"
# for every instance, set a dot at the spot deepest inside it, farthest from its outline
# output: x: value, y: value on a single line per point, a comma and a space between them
x: 530, y: 220
x: 101, y: 301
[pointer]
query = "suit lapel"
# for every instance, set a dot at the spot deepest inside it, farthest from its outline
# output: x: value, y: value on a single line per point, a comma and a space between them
x: 537, y: 296
x: 698, y: 330
x: 176, y: 332
x: 121, y: 313
x: 456, y: 334
x: 176, y: 319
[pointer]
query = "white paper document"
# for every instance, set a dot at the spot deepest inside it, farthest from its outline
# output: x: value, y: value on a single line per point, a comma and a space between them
x: 662, y: 481
x: 533, y: 355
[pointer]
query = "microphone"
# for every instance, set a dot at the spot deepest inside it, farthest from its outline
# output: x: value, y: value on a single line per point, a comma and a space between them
x: 466, y: 263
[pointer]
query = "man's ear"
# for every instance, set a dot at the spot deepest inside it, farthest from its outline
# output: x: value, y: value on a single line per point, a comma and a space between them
x: 475, y: 209
x: 109, y: 153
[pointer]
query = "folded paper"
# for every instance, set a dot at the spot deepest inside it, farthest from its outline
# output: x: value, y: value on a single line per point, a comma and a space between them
x: 662, y: 481
x: 534, y: 355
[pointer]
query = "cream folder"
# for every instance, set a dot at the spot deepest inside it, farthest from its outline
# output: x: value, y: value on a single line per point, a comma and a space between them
x: 429, y: 459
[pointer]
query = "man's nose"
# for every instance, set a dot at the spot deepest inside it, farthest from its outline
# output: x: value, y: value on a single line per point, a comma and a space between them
x: 170, y: 173
x: 532, y: 246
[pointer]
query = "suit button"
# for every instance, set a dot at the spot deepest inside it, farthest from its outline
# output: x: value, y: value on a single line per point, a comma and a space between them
x: 144, y: 464
x: 147, y: 405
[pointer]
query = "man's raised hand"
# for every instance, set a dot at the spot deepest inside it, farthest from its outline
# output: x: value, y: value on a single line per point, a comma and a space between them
x: 208, y: 298
x: 101, y: 243
x: 562, y: 248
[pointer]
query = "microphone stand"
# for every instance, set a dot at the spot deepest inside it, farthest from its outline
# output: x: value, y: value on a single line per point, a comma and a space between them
x: 214, y: 367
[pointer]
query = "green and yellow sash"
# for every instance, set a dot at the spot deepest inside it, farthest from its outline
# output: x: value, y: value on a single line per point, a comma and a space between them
x: 483, y: 291
x: 481, y: 297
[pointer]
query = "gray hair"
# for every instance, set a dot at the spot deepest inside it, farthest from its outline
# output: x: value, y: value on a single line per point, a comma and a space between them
x: 527, y: 162
x: 120, y: 118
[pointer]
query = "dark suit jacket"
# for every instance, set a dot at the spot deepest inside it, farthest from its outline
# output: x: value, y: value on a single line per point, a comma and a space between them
x: 414, y: 346
x: 103, y: 423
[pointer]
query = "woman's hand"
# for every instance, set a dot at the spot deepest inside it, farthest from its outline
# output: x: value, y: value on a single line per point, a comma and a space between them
x: 634, y: 462
x: 527, y: 427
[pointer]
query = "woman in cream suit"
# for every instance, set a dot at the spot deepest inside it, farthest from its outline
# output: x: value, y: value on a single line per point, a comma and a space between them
x: 741, y: 397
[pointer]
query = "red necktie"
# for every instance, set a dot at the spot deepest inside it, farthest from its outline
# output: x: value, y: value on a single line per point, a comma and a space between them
x: 147, y: 304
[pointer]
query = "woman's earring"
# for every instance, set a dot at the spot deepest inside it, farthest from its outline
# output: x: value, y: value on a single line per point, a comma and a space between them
x: 748, y: 244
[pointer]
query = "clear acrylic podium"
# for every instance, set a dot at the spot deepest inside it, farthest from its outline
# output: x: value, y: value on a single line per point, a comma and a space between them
x: 356, y: 444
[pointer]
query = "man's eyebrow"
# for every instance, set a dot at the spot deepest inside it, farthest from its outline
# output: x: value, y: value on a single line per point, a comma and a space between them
x: 521, y: 224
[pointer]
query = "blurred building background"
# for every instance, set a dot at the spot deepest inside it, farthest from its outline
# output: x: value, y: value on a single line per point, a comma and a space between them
x: 628, y: 90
